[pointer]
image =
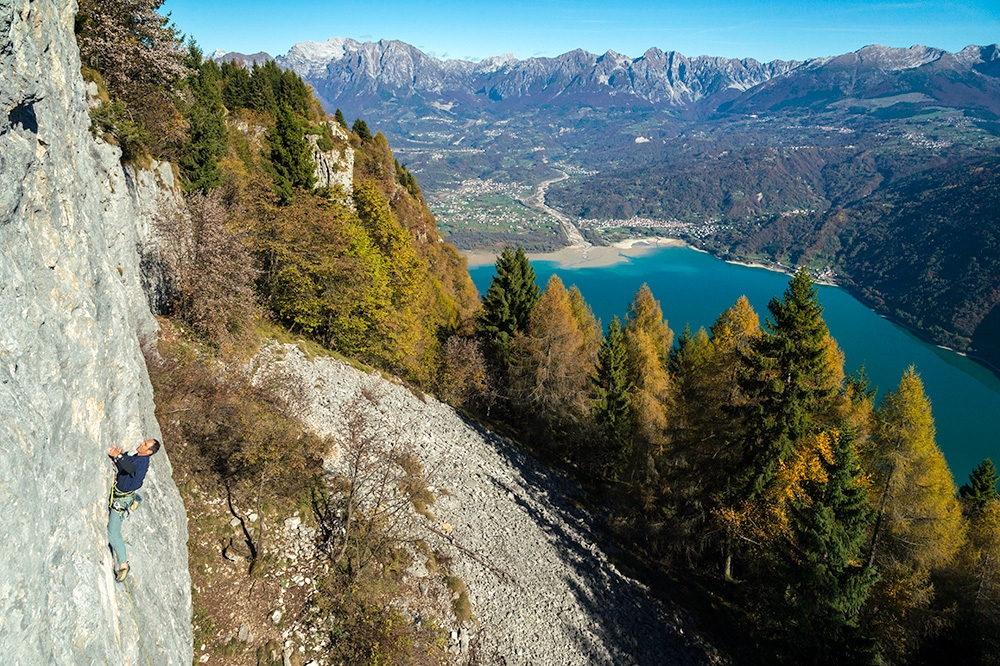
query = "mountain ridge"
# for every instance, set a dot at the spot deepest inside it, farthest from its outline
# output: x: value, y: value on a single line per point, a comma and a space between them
x: 341, y: 69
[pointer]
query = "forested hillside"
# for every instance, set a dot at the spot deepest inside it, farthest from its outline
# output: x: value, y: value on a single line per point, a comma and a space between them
x: 744, y: 472
x: 921, y: 249
x: 737, y: 470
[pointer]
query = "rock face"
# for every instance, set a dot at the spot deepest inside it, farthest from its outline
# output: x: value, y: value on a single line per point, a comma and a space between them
x: 543, y: 591
x: 72, y: 376
x: 334, y: 167
x: 164, y: 229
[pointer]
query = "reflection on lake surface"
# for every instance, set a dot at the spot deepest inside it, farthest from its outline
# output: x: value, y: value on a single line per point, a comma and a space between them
x: 694, y: 288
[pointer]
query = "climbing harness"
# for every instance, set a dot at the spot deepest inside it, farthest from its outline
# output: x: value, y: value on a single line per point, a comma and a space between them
x: 142, y: 642
x: 119, y: 501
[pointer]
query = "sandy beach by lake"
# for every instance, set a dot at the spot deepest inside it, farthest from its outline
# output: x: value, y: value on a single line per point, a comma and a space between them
x: 584, y: 256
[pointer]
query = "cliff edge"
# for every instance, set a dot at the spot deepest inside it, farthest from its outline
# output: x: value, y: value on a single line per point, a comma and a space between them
x: 72, y: 376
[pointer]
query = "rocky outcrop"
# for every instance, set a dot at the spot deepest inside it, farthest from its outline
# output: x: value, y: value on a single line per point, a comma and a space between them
x: 164, y: 228
x: 543, y: 590
x: 334, y: 167
x: 72, y: 376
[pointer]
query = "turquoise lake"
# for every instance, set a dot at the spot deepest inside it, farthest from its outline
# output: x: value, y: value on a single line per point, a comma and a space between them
x: 694, y: 288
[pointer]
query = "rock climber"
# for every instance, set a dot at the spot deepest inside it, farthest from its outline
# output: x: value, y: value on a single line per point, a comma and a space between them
x: 131, y: 471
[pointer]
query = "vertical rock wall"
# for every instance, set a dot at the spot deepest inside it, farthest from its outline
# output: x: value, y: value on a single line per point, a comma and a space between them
x: 72, y: 376
x: 334, y: 168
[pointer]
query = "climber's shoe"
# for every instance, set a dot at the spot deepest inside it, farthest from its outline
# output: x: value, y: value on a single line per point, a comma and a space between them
x: 122, y: 572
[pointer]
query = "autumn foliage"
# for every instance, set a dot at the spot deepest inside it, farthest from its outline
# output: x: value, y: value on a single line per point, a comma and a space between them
x: 743, y: 454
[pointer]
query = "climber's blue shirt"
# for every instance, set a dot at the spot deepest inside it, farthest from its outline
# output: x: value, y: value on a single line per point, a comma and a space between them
x: 131, y: 472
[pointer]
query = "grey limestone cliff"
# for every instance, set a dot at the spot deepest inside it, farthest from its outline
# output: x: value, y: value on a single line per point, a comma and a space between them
x: 334, y: 167
x: 72, y: 376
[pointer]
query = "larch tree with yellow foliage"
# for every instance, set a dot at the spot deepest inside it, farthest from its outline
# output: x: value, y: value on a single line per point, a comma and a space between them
x: 647, y: 340
x: 979, y: 562
x: 552, y: 364
x: 918, y: 526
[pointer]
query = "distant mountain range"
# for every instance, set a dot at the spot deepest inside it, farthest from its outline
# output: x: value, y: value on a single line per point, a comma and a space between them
x: 360, y: 76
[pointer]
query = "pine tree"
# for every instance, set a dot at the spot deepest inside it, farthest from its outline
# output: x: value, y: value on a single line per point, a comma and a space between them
x: 360, y: 127
x: 260, y: 96
x: 824, y: 581
x: 612, y: 410
x: 206, y: 118
x: 791, y: 379
x: 236, y: 86
x: 982, y: 485
x: 507, y: 307
x: 291, y: 157
x: 339, y: 117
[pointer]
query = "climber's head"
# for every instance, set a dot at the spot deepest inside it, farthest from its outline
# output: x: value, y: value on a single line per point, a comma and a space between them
x: 148, y: 448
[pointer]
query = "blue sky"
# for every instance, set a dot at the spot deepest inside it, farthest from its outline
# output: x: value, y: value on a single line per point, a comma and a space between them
x: 474, y: 29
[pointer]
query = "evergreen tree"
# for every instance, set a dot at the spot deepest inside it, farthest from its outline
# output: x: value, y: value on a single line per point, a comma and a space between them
x: 612, y: 410
x: 360, y: 128
x: 339, y: 117
x: 236, y: 86
x: 824, y: 581
x: 507, y: 307
x: 290, y: 90
x: 982, y: 485
x: 791, y: 380
x: 206, y: 118
x: 260, y: 96
x: 291, y: 157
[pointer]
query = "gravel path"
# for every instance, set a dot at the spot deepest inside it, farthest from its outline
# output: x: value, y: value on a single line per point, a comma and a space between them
x: 543, y: 591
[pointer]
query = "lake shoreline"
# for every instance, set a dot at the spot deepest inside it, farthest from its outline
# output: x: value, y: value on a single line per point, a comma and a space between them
x: 585, y: 256
x: 604, y: 256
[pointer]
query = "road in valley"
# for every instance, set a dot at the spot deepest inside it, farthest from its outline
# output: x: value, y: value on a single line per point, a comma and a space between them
x: 537, y: 203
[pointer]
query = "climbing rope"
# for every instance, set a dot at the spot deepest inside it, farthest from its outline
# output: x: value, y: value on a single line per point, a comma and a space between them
x: 138, y: 629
